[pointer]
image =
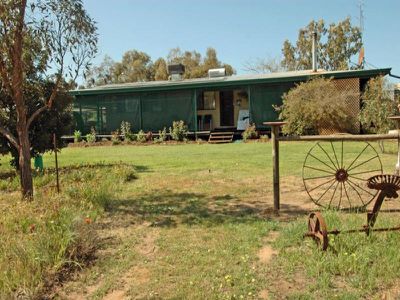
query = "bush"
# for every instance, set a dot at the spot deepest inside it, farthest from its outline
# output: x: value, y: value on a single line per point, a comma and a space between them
x: 126, y: 132
x: 162, y: 136
x: 91, y: 137
x: 77, y: 136
x: 178, y: 131
x: 264, y: 138
x: 377, y: 107
x: 149, y: 136
x: 115, y: 138
x: 250, y: 133
x: 315, y: 105
x: 141, y: 137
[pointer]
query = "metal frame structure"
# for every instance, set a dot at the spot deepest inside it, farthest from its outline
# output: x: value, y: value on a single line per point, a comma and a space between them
x: 275, y: 138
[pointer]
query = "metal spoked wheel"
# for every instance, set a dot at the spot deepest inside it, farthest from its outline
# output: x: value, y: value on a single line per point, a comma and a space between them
x: 335, y: 176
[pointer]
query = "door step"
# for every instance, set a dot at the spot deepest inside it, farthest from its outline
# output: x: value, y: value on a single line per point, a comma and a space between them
x: 220, y: 137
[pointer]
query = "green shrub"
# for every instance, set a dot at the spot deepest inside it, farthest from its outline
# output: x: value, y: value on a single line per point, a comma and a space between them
x: 250, y: 133
x: 162, y: 136
x: 264, y: 138
x: 377, y: 107
x: 91, y: 137
x: 315, y: 105
x: 178, y: 131
x: 141, y: 137
x: 77, y: 136
x: 115, y: 138
x: 126, y: 132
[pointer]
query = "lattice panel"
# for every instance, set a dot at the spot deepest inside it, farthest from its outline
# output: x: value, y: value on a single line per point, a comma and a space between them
x: 353, y: 102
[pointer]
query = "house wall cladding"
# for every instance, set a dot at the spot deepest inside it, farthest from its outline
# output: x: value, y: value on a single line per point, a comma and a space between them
x: 159, y: 110
x: 262, y: 99
x: 149, y: 112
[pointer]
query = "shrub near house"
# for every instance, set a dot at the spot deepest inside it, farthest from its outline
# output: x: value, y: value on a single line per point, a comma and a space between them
x: 315, y: 105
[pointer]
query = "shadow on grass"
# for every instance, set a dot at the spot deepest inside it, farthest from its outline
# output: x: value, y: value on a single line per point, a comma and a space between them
x: 7, y: 175
x: 168, y: 209
x: 100, y: 165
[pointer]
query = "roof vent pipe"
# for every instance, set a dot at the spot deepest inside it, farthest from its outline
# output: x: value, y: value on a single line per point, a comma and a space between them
x: 314, y: 51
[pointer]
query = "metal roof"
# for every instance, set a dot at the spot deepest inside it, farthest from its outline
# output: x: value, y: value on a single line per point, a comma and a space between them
x: 226, y: 81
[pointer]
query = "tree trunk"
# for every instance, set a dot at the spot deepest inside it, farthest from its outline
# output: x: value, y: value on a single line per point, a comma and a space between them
x: 25, y: 164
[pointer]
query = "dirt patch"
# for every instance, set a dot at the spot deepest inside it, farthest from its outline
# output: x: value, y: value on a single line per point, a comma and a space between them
x: 115, y: 295
x: 264, y: 295
x: 282, y: 286
x: 391, y: 294
x: 266, y: 253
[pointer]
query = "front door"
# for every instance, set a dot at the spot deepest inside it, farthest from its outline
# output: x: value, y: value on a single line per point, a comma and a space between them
x: 226, y: 108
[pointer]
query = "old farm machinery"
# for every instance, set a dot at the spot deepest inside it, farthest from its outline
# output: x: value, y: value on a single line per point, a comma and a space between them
x: 340, y: 176
x: 333, y: 181
x: 386, y: 185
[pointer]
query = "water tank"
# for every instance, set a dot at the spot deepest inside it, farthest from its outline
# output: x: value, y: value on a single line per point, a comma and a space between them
x: 221, y: 72
x: 176, y: 71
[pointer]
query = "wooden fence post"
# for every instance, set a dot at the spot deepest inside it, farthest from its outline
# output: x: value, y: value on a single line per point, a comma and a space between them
x: 275, y: 161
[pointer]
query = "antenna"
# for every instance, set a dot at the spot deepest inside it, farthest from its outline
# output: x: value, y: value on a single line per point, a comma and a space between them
x: 361, y: 17
x: 361, y: 56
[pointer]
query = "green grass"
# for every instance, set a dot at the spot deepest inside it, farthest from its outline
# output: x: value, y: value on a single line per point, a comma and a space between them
x: 44, y: 239
x: 187, y: 221
x: 354, y: 266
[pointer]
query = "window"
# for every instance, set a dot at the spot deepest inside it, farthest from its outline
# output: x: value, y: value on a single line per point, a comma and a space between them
x: 206, y: 100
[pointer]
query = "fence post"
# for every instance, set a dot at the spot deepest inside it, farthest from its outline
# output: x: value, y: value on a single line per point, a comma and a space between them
x: 275, y: 161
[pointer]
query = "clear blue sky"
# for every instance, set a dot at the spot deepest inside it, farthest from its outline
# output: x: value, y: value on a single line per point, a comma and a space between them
x: 240, y: 30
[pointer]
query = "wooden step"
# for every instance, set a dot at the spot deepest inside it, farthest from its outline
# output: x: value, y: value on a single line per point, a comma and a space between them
x: 219, y: 142
x: 220, y: 137
x: 222, y: 133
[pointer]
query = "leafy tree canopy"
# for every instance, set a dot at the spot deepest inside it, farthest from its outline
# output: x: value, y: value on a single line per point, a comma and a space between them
x: 337, y: 44
x: 138, y: 66
x: 57, y: 120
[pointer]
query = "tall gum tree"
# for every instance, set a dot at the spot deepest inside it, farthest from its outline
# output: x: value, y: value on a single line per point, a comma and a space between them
x: 52, y: 39
x: 337, y: 44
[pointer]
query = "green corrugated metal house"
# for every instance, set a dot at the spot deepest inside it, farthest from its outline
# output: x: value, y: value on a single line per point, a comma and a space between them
x: 203, y: 104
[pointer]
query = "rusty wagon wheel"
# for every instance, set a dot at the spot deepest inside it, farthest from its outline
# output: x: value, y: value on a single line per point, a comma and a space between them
x: 318, y: 230
x: 335, y: 176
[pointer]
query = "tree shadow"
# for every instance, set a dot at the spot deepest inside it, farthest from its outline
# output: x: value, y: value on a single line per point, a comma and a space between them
x: 169, y: 209
x: 6, y: 175
x: 100, y: 165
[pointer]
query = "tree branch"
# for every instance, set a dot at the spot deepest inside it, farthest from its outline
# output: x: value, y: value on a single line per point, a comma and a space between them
x: 48, y: 105
x: 35, y: 115
x: 7, y: 134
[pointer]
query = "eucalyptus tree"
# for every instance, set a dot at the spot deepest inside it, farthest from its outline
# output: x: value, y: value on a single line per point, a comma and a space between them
x: 337, y: 44
x: 40, y: 40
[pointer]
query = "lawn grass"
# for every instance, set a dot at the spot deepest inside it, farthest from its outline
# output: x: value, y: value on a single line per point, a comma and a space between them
x: 188, y: 221
x: 43, y: 240
x: 354, y: 266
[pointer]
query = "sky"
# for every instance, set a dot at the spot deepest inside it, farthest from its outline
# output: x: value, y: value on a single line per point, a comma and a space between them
x: 240, y: 30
